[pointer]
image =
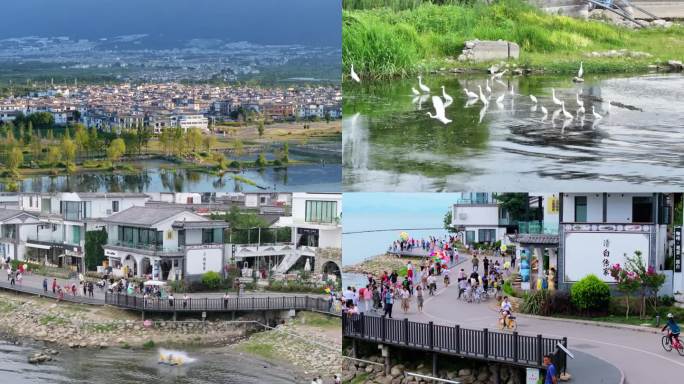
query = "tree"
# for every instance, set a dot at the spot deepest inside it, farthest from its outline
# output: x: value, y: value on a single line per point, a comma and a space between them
x: 94, y: 253
x: 15, y: 159
x: 50, y: 136
x: 54, y: 156
x: 36, y: 147
x: 447, y: 222
x: 238, y: 147
x: 261, y: 161
x: 42, y: 120
x: 627, y: 282
x: 517, y: 205
x: 194, y: 138
x: 260, y: 128
x: 81, y: 138
x: 116, y: 149
x: 650, y: 281
x: 69, y: 150
x: 209, y: 142
x: 286, y: 153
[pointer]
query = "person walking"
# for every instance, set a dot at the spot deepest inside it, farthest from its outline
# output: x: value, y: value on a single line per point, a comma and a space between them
x: 485, y: 264
x: 12, y: 278
x: 419, y: 298
x: 550, y: 376
x: 476, y: 263
x: 54, y: 286
x: 45, y: 285
x: 91, y: 288
x: 405, y: 297
x: 368, y: 298
x: 85, y: 287
x: 389, y: 302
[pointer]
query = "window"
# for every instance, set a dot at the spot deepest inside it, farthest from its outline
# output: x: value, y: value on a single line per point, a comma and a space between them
x: 262, y: 199
x: 486, y: 235
x: 320, y: 211
x: 207, y: 236
x: 76, y: 234
x: 642, y: 209
x: 470, y: 237
x: 188, y: 200
x: 580, y: 209
x: 307, y: 237
x: 181, y: 237
x: 46, y: 205
x: 115, y: 206
x: 70, y: 209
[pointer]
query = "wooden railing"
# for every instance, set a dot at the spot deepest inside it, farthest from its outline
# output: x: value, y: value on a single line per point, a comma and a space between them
x: 219, y: 304
x: 502, y: 347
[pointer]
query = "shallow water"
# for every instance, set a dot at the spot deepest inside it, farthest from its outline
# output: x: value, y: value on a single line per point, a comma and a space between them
x: 119, y: 366
x: 309, y: 177
x: 390, y: 143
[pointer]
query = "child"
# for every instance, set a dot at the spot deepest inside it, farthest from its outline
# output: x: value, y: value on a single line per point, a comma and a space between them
x: 419, y: 298
x: 674, y: 329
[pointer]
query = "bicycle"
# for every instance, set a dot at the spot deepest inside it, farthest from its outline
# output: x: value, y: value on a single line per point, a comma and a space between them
x: 511, y: 323
x: 669, y: 346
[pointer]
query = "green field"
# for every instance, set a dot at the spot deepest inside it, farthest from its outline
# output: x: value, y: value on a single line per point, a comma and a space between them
x: 416, y: 36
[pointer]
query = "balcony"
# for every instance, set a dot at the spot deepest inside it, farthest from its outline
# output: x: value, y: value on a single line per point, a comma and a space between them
x: 485, y: 200
x: 537, y: 228
x: 146, y: 249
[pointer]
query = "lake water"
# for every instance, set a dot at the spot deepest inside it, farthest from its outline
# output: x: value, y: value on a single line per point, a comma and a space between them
x: 306, y: 177
x: 120, y: 366
x: 389, y: 142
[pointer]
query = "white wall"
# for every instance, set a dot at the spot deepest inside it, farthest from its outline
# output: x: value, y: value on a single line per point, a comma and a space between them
x: 199, y: 261
x: 594, y: 207
x: 475, y: 215
x: 583, y: 253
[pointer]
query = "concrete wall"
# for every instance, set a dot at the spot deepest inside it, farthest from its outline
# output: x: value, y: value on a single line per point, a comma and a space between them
x: 475, y: 215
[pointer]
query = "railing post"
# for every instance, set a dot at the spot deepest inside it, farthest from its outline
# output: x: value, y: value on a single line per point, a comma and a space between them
x: 206, y: 303
x: 485, y: 339
x: 283, y: 303
x: 362, y: 320
x: 252, y: 303
x: 458, y: 338
x: 268, y: 302
x: 431, y: 334
x: 382, y: 328
x: 539, y: 351
x: 515, y: 346
x: 565, y: 355
x: 406, y: 331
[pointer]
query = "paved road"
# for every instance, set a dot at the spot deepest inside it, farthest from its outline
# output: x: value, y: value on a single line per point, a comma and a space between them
x: 639, y: 355
x: 664, y: 9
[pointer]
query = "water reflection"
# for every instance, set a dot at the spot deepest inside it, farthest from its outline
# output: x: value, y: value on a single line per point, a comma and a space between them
x: 616, y: 133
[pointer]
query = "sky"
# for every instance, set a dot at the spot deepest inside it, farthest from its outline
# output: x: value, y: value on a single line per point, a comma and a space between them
x: 308, y: 22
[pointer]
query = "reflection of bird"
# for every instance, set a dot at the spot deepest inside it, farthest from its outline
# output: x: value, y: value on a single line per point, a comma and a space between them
x: 581, y: 71
x: 554, y: 98
x: 448, y: 99
x: 512, y: 90
x: 596, y: 115
x: 487, y: 87
x: 422, y: 86
x: 609, y: 110
x: 555, y: 114
x: 440, y: 113
x: 354, y: 76
x: 534, y: 99
x: 567, y: 114
x: 482, y: 96
x: 498, y: 75
x: 580, y: 110
x: 580, y: 103
x: 415, y: 91
x: 545, y: 112
x: 471, y: 95
x: 483, y: 112
x: 500, y: 98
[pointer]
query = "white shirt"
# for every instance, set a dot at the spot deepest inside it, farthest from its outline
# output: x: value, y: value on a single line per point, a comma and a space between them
x: 506, y: 306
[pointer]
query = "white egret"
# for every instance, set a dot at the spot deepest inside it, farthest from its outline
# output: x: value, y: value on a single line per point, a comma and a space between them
x: 488, y: 88
x: 448, y: 99
x: 567, y: 114
x: 596, y: 115
x: 440, y: 113
x: 580, y: 103
x: 500, y: 82
x: 354, y: 76
x: 498, y: 75
x: 471, y: 95
x: 580, y: 73
x: 512, y: 90
x: 482, y: 96
x: 415, y: 91
x: 471, y: 102
x: 500, y: 98
x: 533, y: 98
x: 609, y: 109
x: 422, y: 86
x: 555, y: 114
x: 554, y: 98
x: 544, y: 110
x: 580, y: 110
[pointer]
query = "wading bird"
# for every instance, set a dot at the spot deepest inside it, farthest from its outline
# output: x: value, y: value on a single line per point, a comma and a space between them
x: 482, y: 96
x: 448, y: 99
x: 580, y: 73
x: 440, y: 113
x: 567, y: 114
x: 554, y: 98
x: 422, y: 86
x: 415, y: 91
x: 580, y: 103
x: 488, y: 88
x: 354, y: 76
x: 533, y: 98
x: 596, y: 115
x: 500, y: 99
x: 471, y: 95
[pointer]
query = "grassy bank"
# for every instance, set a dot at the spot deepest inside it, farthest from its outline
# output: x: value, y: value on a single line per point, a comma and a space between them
x: 385, y: 42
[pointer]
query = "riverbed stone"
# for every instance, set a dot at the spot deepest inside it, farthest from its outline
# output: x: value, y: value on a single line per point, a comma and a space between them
x: 674, y: 65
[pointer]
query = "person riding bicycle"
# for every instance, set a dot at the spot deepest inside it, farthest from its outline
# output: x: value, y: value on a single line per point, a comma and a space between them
x: 674, y: 328
x: 506, y: 310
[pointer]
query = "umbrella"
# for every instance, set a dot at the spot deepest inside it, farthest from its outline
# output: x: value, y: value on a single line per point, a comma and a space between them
x: 404, y: 236
x: 307, y: 266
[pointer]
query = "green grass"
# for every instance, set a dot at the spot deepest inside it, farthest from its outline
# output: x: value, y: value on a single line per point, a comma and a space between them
x: 383, y: 42
x: 52, y: 320
x: 149, y: 344
x: 319, y: 320
x: 263, y: 350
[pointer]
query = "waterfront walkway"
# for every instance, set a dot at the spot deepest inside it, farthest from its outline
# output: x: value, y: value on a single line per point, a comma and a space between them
x: 638, y: 355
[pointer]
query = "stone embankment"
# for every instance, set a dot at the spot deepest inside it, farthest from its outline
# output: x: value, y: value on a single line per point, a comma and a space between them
x: 368, y: 373
x: 376, y: 265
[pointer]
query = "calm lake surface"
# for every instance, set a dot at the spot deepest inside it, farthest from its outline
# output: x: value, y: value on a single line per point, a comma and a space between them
x: 389, y: 142
x: 119, y: 366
